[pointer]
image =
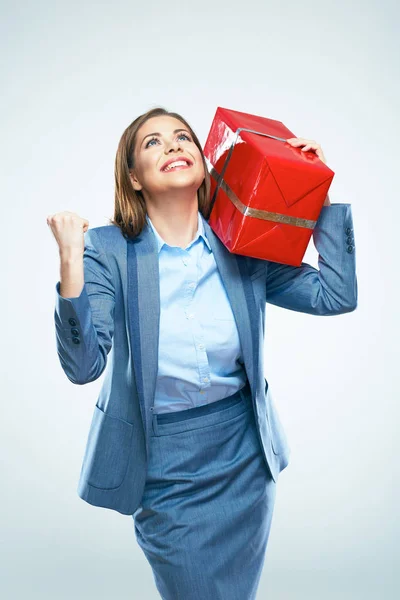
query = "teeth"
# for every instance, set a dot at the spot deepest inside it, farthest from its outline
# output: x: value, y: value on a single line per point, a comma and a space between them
x: 177, y: 163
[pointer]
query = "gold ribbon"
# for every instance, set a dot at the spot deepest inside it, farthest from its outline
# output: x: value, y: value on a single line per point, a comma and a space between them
x: 257, y: 213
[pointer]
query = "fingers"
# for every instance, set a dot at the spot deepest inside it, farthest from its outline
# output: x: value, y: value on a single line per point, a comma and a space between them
x: 68, y: 229
x: 300, y: 140
x: 303, y: 142
x: 67, y: 216
x: 307, y: 145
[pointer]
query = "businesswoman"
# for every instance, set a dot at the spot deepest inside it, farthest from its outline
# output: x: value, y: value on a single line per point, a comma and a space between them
x: 185, y: 437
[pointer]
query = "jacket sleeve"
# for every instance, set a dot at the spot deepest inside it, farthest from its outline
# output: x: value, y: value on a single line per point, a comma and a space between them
x: 85, y: 324
x: 332, y: 289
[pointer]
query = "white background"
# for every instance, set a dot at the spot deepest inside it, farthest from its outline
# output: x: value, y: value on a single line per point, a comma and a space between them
x: 74, y: 76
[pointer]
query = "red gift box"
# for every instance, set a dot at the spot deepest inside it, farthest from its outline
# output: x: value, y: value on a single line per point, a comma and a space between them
x: 266, y: 194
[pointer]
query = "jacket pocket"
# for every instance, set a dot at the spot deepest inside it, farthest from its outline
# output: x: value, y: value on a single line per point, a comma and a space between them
x: 107, y: 451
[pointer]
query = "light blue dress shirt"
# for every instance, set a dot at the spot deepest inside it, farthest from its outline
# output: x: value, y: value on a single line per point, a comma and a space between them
x: 200, y: 357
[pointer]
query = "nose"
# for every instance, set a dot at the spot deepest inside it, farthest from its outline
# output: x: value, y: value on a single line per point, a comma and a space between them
x: 172, y: 145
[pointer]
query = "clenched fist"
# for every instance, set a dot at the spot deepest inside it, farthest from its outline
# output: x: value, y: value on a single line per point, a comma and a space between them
x: 68, y: 229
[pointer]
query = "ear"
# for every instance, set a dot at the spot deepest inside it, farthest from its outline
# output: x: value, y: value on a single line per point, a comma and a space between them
x: 135, y: 182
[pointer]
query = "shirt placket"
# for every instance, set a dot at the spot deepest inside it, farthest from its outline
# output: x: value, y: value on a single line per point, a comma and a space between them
x: 191, y: 313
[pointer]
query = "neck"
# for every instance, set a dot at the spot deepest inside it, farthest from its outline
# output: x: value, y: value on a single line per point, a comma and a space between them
x: 175, y: 221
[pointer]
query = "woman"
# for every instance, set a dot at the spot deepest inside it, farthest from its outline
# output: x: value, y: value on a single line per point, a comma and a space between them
x: 185, y: 437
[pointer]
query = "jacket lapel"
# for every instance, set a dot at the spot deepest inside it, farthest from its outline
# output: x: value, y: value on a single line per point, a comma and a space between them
x: 235, y: 277
x: 144, y: 315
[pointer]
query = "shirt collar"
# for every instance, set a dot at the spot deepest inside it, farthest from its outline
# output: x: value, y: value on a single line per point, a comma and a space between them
x: 200, y: 232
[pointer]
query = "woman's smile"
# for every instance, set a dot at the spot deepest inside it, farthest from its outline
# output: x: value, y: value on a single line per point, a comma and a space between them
x: 176, y: 166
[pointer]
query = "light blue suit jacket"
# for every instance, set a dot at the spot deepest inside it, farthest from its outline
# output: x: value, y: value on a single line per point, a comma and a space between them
x: 114, y: 326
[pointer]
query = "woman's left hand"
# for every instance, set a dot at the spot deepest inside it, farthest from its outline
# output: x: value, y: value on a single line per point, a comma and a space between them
x: 310, y: 145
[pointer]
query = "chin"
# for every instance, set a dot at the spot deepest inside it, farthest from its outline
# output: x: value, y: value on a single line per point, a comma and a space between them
x: 185, y: 183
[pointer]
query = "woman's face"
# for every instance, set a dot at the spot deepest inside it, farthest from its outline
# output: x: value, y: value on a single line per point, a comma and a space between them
x: 161, y: 140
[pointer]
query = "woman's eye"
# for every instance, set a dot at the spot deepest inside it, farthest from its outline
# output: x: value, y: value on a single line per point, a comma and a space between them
x: 154, y: 139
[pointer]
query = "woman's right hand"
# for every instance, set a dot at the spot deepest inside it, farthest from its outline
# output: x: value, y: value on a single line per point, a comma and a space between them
x: 68, y: 229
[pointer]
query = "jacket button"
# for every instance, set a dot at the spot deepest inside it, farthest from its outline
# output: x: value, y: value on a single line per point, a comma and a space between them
x: 350, y: 249
x: 72, y: 322
x: 76, y: 340
x: 350, y: 240
x: 349, y: 230
x: 75, y: 331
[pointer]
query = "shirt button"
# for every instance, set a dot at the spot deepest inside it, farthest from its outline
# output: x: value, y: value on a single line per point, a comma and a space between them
x: 191, y: 285
x: 191, y: 316
x: 201, y: 347
x: 205, y: 379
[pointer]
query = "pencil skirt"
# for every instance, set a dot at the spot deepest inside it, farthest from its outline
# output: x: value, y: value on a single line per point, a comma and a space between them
x: 205, y: 515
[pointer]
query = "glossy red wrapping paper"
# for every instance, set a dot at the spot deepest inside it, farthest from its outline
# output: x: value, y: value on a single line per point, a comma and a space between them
x: 268, y: 200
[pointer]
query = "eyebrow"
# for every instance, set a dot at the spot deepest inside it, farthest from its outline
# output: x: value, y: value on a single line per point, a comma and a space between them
x: 158, y: 133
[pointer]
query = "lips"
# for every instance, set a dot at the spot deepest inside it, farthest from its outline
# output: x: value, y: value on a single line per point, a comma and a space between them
x: 175, y: 159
